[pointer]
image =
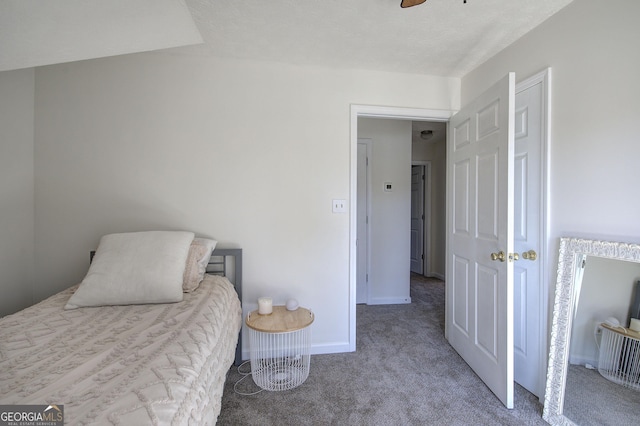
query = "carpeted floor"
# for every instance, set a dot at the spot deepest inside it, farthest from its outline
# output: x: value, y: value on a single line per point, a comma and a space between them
x: 403, y: 373
x: 592, y: 400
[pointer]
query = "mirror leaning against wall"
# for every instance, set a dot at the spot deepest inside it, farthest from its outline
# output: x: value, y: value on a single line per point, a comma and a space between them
x: 593, y: 375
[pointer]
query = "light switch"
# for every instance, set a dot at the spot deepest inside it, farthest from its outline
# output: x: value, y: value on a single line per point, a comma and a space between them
x: 339, y: 206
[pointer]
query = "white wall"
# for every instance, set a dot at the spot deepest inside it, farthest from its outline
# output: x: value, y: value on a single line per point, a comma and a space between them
x: 248, y: 153
x: 17, y: 260
x: 592, y: 48
x: 390, y: 215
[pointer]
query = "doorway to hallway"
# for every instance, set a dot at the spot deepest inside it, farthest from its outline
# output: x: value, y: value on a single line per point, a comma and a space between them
x: 417, y: 219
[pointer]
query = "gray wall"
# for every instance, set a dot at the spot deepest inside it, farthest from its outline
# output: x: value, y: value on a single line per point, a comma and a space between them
x: 249, y: 153
x: 17, y: 261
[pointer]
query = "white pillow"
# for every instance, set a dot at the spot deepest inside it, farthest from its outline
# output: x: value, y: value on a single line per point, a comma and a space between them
x: 135, y: 268
x: 197, y: 261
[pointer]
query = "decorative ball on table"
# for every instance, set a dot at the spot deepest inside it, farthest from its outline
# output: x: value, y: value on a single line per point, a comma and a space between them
x: 292, y: 305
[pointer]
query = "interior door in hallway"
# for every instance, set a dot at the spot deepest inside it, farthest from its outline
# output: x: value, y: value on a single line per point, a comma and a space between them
x: 417, y: 219
x: 479, y: 294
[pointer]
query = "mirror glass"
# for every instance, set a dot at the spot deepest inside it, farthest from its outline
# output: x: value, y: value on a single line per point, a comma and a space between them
x: 594, y: 370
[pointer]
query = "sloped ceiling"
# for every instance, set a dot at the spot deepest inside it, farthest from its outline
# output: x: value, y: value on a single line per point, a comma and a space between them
x: 37, y: 32
x: 439, y: 37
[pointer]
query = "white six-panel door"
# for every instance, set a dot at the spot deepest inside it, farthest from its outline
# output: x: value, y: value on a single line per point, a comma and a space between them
x: 479, y: 294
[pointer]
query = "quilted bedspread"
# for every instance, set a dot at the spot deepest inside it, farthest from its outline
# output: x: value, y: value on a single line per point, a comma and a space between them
x: 128, y: 365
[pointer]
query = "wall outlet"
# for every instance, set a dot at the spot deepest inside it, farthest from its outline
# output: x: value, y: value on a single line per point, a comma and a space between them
x: 339, y: 206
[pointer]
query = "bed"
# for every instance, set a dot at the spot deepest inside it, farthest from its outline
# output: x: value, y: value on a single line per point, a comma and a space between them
x: 132, y: 363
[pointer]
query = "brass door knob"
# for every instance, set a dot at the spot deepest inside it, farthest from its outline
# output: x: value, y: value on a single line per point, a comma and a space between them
x: 514, y: 256
x: 498, y: 256
x: 530, y: 255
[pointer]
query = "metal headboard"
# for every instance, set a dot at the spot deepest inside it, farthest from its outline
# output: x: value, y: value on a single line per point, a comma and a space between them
x: 220, y: 264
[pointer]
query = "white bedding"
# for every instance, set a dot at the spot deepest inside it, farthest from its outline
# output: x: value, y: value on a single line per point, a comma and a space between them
x: 137, y: 364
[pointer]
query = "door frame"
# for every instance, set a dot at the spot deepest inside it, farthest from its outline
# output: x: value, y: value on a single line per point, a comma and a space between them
x: 543, y: 77
x: 372, y: 111
x: 426, y: 208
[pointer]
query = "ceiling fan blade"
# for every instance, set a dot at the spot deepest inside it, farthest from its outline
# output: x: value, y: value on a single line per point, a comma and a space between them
x: 409, y: 3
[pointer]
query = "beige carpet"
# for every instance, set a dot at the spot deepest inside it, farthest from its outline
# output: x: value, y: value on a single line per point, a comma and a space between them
x: 402, y: 373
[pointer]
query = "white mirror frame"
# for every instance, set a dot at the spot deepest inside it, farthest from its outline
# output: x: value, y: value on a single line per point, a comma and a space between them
x: 572, y: 252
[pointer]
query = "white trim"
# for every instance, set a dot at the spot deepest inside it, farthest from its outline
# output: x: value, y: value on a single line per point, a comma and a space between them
x: 544, y: 79
x: 330, y: 348
x: 390, y: 300
x: 379, y: 112
x: 402, y: 113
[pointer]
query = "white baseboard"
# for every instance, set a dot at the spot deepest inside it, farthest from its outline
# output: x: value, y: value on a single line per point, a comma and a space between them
x: 330, y: 348
x: 389, y: 301
x: 436, y: 275
x: 582, y: 360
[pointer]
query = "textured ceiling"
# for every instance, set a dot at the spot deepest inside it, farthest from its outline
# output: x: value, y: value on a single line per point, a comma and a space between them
x: 439, y: 37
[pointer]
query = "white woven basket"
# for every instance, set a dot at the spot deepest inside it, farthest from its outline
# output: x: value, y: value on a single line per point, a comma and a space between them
x: 620, y: 358
x: 280, y: 361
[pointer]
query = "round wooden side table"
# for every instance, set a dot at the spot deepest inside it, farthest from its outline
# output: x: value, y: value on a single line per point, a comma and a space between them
x: 280, y: 346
